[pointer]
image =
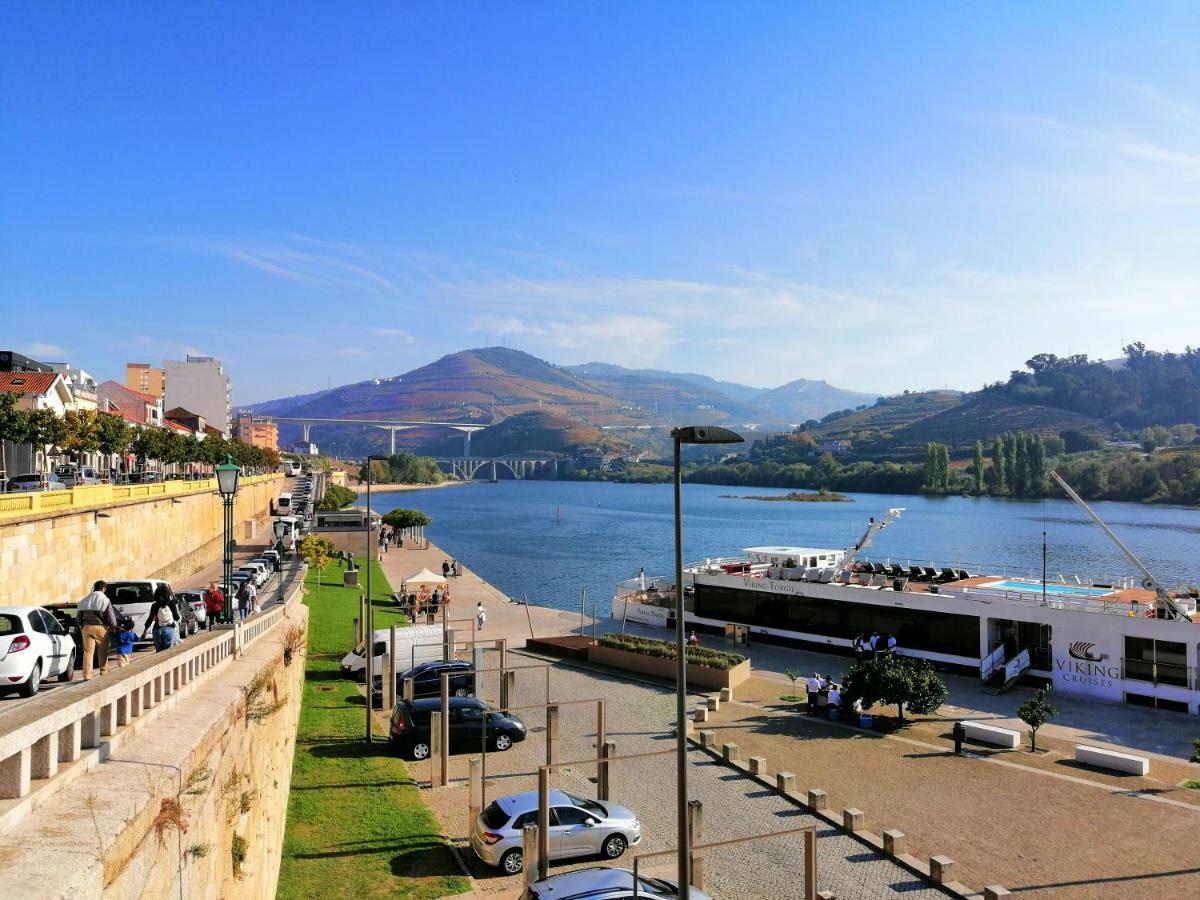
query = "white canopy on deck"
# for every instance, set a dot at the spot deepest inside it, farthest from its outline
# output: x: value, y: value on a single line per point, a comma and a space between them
x: 424, y: 577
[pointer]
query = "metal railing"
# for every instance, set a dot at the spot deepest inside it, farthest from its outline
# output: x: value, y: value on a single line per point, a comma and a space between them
x: 90, y: 496
x: 1159, y: 672
x: 54, y: 741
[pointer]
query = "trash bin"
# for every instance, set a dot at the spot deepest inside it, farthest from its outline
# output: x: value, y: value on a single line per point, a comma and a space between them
x: 350, y: 578
x: 866, y: 721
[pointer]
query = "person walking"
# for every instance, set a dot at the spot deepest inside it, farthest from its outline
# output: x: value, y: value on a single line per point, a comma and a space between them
x: 123, y: 640
x: 254, y: 607
x: 445, y: 568
x: 164, y: 618
x: 812, y: 688
x: 480, y: 616
x: 96, y: 619
x: 243, y: 599
x: 454, y: 567
x: 214, y: 606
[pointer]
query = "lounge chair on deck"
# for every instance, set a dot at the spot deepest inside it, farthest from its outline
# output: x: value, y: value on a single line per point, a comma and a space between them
x: 878, y: 568
x: 795, y: 574
x: 963, y: 574
x: 931, y: 573
x: 811, y: 574
x: 877, y: 581
x: 915, y: 573
x: 947, y: 575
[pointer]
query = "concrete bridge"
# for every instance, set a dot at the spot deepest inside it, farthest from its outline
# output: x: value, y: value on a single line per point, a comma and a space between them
x: 389, y: 425
x: 467, y: 468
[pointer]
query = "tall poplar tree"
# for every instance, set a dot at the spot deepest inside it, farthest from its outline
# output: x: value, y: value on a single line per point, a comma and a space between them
x: 978, y: 461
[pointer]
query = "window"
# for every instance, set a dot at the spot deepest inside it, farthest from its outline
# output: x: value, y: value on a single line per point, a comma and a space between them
x: 37, y: 623
x: 10, y: 625
x: 1160, y: 662
x: 529, y: 818
x: 467, y: 714
x: 494, y: 817
x: 570, y: 815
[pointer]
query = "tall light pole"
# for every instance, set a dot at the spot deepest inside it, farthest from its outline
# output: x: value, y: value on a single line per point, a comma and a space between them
x: 693, y: 434
x: 369, y: 625
x: 227, y: 485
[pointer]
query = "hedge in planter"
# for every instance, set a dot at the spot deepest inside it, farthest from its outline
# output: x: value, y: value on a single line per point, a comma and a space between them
x: 696, y: 656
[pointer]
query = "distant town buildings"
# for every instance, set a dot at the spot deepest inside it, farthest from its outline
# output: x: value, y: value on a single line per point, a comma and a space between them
x: 199, y: 383
x: 258, y: 431
x: 146, y: 378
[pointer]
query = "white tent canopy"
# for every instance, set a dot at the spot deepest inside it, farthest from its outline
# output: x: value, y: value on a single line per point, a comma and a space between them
x: 424, y: 577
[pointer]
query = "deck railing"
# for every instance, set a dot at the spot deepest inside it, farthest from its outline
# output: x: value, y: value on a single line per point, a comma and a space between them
x: 90, y: 496
x: 52, y: 739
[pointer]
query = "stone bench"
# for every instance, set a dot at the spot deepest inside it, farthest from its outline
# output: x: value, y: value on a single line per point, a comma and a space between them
x: 1111, y: 759
x: 992, y: 734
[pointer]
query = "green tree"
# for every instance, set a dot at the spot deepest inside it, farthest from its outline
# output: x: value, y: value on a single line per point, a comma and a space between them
x: 977, y: 462
x: 1035, y: 712
x: 1010, y: 461
x: 81, y: 432
x: 406, y: 519
x: 14, y: 426
x: 998, y: 482
x: 114, y: 434
x: 896, y: 680
x: 336, y: 497
x: 44, y: 429
x: 1020, y: 477
x: 318, y: 553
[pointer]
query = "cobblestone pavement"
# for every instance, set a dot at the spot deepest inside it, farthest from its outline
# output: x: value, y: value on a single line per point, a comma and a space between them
x: 638, y: 719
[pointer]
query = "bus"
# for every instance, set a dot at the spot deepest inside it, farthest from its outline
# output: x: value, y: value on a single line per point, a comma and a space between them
x: 290, y: 467
x: 284, y: 503
x: 291, y: 535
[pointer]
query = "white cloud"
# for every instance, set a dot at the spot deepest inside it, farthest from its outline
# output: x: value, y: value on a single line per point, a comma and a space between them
x: 393, y: 334
x: 41, y: 351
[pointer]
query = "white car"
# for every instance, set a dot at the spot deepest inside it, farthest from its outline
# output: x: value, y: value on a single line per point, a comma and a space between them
x: 44, y: 481
x: 33, y: 647
x: 195, y: 599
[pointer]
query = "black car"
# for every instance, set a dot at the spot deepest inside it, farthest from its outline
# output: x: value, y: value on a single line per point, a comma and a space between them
x: 427, y: 680
x: 409, y: 729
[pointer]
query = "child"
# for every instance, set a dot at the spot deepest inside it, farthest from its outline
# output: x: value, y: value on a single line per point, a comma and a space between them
x: 123, y: 640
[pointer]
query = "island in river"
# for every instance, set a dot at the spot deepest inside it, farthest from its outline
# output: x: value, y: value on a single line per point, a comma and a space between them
x: 796, y: 497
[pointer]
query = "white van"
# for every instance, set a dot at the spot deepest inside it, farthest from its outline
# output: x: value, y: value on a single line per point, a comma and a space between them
x: 284, y: 504
x: 415, y: 644
x: 291, y: 536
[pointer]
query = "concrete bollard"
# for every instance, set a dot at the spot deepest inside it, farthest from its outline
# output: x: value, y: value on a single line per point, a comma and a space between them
x: 708, y: 739
x: 731, y: 752
x: 726, y: 695
x: 817, y: 799
x: 995, y: 892
x: 785, y: 781
x: 941, y: 869
x: 712, y: 703
x: 826, y: 895
x: 700, y: 715
x: 894, y: 842
x: 853, y: 819
x: 758, y: 765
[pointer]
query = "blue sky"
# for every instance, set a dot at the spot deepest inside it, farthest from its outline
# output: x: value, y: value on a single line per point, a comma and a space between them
x: 886, y: 197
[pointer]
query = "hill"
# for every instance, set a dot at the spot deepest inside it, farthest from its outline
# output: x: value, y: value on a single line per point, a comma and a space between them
x: 600, y: 370
x: 982, y: 416
x: 528, y: 433
x: 804, y: 399
x: 887, y: 416
x: 665, y: 397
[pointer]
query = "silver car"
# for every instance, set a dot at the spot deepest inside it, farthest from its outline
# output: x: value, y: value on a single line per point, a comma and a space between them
x: 602, y: 883
x: 44, y: 481
x: 578, y: 827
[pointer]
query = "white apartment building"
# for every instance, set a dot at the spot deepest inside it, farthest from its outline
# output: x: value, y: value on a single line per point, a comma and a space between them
x: 199, y: 384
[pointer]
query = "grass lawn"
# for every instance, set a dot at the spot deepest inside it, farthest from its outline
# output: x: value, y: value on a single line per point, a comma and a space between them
x: 356, y: 825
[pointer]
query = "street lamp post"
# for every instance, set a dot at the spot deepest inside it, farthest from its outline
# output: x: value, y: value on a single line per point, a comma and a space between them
x: 369, y: 625
x: 227, y: 485
x: 694, y: 434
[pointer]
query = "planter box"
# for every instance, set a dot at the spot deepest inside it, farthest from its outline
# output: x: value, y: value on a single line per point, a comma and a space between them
x: 665, y: 668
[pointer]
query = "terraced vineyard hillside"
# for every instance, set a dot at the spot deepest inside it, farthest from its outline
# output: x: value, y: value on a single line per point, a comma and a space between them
x: 982, y: 416
x: 888, y: 416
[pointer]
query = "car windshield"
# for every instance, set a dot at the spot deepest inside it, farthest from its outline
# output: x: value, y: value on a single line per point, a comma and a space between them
x: 494, y: 817
x: 590, y: 805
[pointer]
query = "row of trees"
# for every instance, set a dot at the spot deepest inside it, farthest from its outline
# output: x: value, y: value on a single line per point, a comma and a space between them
x: 80, y: 432
x: 336, y: 497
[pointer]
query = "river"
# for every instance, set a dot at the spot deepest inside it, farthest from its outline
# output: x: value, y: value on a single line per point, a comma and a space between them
x: 550, y: 539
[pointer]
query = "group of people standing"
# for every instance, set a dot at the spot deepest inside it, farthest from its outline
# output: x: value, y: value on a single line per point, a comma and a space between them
x: 867, y: 646
x: 450, y: 568
x: 824, y: 696
x: 103, y: 631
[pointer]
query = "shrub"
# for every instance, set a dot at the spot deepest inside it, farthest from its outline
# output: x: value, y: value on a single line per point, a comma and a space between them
x: 696, y: 656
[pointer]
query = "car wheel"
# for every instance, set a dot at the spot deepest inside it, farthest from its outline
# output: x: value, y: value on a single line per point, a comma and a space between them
x: 420, y: 750
x: 461, y: 692
x: 67, y: 674
x: 30, y: 687
x: 614, y: 846
x: 502, y: 742
x: 512, y: 862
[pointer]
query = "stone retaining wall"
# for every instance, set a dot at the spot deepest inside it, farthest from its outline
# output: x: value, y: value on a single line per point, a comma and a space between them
x: 55, y: 557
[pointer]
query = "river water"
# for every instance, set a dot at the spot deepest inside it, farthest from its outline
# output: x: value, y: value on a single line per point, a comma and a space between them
x: 550, y: 539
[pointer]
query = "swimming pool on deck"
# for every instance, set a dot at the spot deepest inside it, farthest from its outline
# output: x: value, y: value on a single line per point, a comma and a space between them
x: 1035, y: 587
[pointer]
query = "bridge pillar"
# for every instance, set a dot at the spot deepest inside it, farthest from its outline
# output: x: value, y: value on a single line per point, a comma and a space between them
x: 467, y: 444
x: 304, y: 426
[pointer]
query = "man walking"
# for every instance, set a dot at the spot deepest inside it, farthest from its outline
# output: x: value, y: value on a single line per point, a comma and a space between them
x: 445, y: 568
x: 480, y: 616
x: 96, y: 619
x: 813, y: 689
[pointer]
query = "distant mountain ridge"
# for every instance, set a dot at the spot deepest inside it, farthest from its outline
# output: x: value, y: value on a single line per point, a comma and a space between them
x: 804, y: 399
x: 742, y: 392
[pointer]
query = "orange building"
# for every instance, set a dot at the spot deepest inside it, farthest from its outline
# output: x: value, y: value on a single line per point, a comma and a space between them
x: 146, y: 378
x: 256, y: 431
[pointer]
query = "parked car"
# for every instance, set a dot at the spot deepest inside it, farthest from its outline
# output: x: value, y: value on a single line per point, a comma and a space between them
x: 72, y: 475
x: 257, y: 573
x: 68, y: 618
x: 410, y: 736
x: 578, y: 827
x: 189, y: 620
x: 134, y: 599
x: 35, y: 481
x: 195, y: 600
x: 33, y: 646
x: 603, y: 883
x: 427, y: 680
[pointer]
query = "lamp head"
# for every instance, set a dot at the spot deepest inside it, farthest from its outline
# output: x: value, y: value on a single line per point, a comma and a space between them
x: 706, y: 434
x: 227, y: 477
